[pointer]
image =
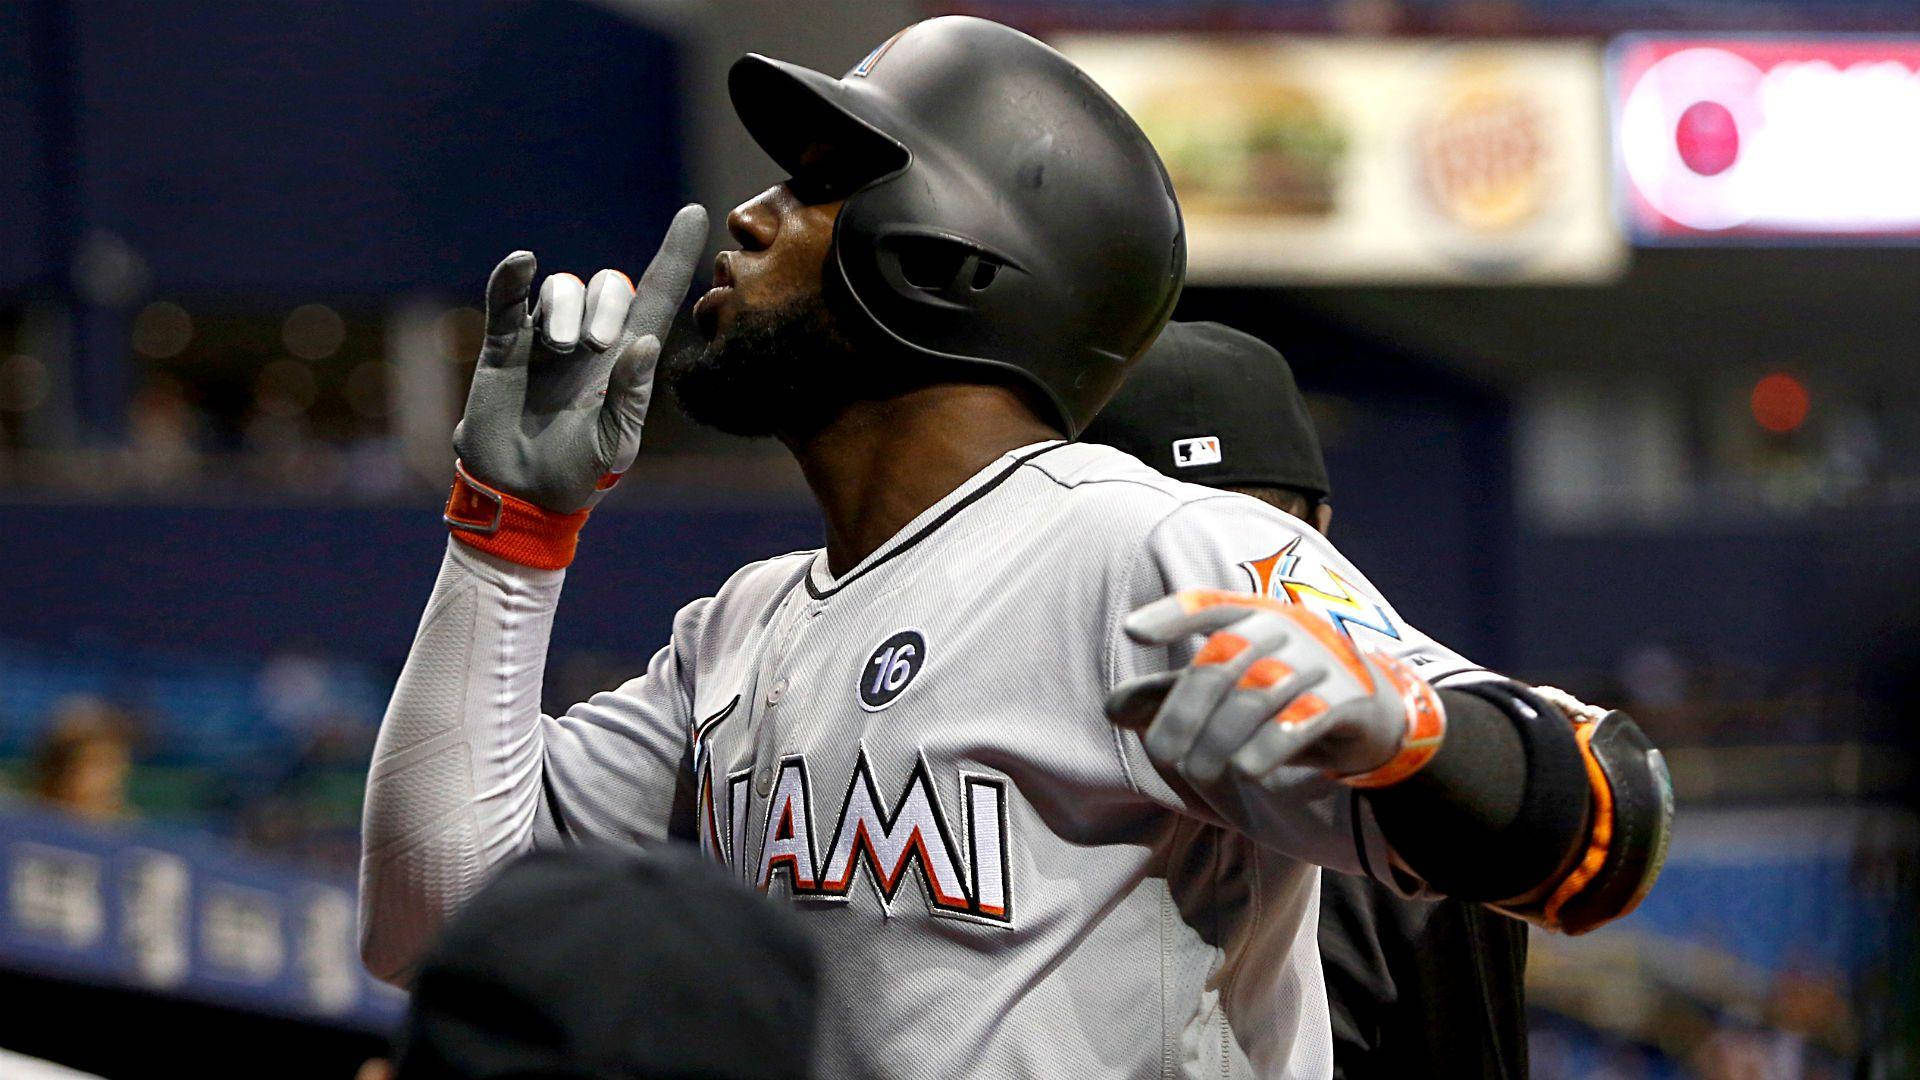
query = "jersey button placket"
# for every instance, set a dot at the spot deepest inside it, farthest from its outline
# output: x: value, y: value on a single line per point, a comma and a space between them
x: 770, y: 738
x: 774, y: 745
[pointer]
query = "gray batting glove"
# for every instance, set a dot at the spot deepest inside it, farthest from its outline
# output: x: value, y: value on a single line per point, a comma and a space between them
x: 560, y: 394
x: 1274, y: 685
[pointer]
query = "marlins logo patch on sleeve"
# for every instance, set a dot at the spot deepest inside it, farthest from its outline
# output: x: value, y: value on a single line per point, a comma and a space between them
x: 1284, y: 575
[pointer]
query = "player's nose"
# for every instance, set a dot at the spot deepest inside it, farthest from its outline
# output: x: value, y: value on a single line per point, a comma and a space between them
x: 755, y: 224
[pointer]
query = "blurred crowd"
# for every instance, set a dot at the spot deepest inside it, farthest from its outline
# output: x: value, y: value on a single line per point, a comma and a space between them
x: 285, y: 781
x: 247, y: 402
x: 273, y: 754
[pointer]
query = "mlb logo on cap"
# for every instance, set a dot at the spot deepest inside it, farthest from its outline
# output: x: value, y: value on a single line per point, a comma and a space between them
x: 1204, y: 450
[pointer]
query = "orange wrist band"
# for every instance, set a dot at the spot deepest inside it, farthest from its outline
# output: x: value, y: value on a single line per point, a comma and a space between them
x: 1426, y: 726
x: 513, y: 529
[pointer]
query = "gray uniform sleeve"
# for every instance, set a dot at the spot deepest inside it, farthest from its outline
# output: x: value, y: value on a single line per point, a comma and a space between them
x: 468, y: 773
x: 1237, y: 543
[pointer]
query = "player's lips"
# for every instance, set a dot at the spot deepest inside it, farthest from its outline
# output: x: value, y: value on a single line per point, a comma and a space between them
x: 706, y: 310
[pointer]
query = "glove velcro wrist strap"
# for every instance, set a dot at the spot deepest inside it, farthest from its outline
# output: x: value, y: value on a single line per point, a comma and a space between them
x: 1633, y: 819
x: 1426, y: 726
x: 510, y: 528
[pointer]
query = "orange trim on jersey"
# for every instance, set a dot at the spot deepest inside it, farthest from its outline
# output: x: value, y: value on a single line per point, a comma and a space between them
x: 1426, y: 725
x: 1599, y: 838
x: 1220, y: 648
x: 889, y: 877
x: 490, y: 520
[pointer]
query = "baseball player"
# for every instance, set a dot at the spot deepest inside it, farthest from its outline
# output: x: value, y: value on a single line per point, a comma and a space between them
x: 1415, y: 987
x: 1047, y: 785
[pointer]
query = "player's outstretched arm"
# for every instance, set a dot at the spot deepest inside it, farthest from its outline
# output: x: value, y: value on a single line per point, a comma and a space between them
x: 552, y: 419
x: 1485, y: 791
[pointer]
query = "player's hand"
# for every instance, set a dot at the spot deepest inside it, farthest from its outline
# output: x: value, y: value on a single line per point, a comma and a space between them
x: 1274, y: 685
x: 560, y: 393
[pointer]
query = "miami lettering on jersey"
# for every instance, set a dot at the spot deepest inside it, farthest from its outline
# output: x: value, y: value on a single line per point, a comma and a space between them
x: 888, y: 838
x: 1280, y: 576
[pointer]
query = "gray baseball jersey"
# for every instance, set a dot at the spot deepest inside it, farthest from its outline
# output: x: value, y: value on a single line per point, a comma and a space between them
x: 915, y: 754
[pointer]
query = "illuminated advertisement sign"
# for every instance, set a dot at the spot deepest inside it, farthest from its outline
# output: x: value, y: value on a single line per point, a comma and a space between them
x: 1768, y: 138
x: 168, y: 912
x: 1315, y: 160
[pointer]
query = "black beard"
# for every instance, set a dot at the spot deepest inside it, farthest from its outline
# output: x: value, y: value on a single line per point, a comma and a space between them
x: 780, y: 371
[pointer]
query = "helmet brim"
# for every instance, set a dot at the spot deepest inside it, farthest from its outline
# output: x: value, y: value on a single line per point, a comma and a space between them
x: 810, y: 126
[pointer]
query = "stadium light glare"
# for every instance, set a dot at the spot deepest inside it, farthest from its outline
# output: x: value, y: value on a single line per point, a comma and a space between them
x: 1770, y: 137
x: 162, y: 330
x: 1780, y: 403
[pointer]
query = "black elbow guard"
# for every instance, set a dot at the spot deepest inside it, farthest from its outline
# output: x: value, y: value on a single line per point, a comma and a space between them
x: 1629, y: 822
x: 1552, y: 818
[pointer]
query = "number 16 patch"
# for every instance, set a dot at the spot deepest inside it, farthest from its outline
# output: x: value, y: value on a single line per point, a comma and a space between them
x: 890, y: 669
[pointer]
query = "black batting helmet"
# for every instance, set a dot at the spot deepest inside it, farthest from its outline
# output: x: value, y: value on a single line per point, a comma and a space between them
x: 1001, y: 209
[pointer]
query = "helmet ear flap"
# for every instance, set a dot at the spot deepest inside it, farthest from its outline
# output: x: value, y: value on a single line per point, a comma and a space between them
x: 936, y: 269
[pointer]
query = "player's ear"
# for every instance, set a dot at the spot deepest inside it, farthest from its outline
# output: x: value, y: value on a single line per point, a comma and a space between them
x: 1323, y: 517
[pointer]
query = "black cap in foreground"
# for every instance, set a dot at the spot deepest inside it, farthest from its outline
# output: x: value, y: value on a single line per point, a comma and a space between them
x: 604, y: 965
x: 1211, y: 405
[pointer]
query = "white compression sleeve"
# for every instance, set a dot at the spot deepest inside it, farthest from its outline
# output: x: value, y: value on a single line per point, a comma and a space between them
x: 456, y: 776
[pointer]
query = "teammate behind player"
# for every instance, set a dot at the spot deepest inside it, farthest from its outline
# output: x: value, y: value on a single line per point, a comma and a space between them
x: 904, y: 731
x: 1415, y: 987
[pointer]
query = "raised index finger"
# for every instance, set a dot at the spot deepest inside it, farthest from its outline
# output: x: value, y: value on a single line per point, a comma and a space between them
x: 665, y: 283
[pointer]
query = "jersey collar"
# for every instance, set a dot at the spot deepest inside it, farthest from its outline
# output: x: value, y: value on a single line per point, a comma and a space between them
x: 822, y: 584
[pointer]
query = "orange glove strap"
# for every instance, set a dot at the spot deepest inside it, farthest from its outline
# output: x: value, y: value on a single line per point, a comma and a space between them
x: 1426, y: 726
x: 513, y: 529
x: 1599, y: 834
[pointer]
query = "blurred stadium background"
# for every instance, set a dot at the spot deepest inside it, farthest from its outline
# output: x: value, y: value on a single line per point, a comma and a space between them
x: 1609, y: 312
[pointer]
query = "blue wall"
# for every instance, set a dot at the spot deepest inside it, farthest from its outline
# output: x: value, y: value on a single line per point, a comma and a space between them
x: 327, y: 148
x: 242, y: 582
x: 1840, y: 593
x: 245, y: 581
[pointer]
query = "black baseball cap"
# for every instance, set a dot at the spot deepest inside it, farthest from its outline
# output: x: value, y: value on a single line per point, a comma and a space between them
x: 1215, y: 406
x: 600, y: 965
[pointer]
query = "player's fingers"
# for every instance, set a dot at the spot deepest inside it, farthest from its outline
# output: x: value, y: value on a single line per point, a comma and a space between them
x: 556, y: 318
x: 1206, y: 682
x: 1191, y: 611
x: 631, y: 387
x: 507, y: 289
x: 1309, y: 732
x: 1268, y: 692
x: 1134, y: 702
x: 1316, y: 644
x: 665, y: 283
x: 609, y: 295
x: 629, y: 392
x: 1320, y: 639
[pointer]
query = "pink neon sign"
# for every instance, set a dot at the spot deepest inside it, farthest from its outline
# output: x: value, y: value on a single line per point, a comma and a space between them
x: 1768, y: 137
